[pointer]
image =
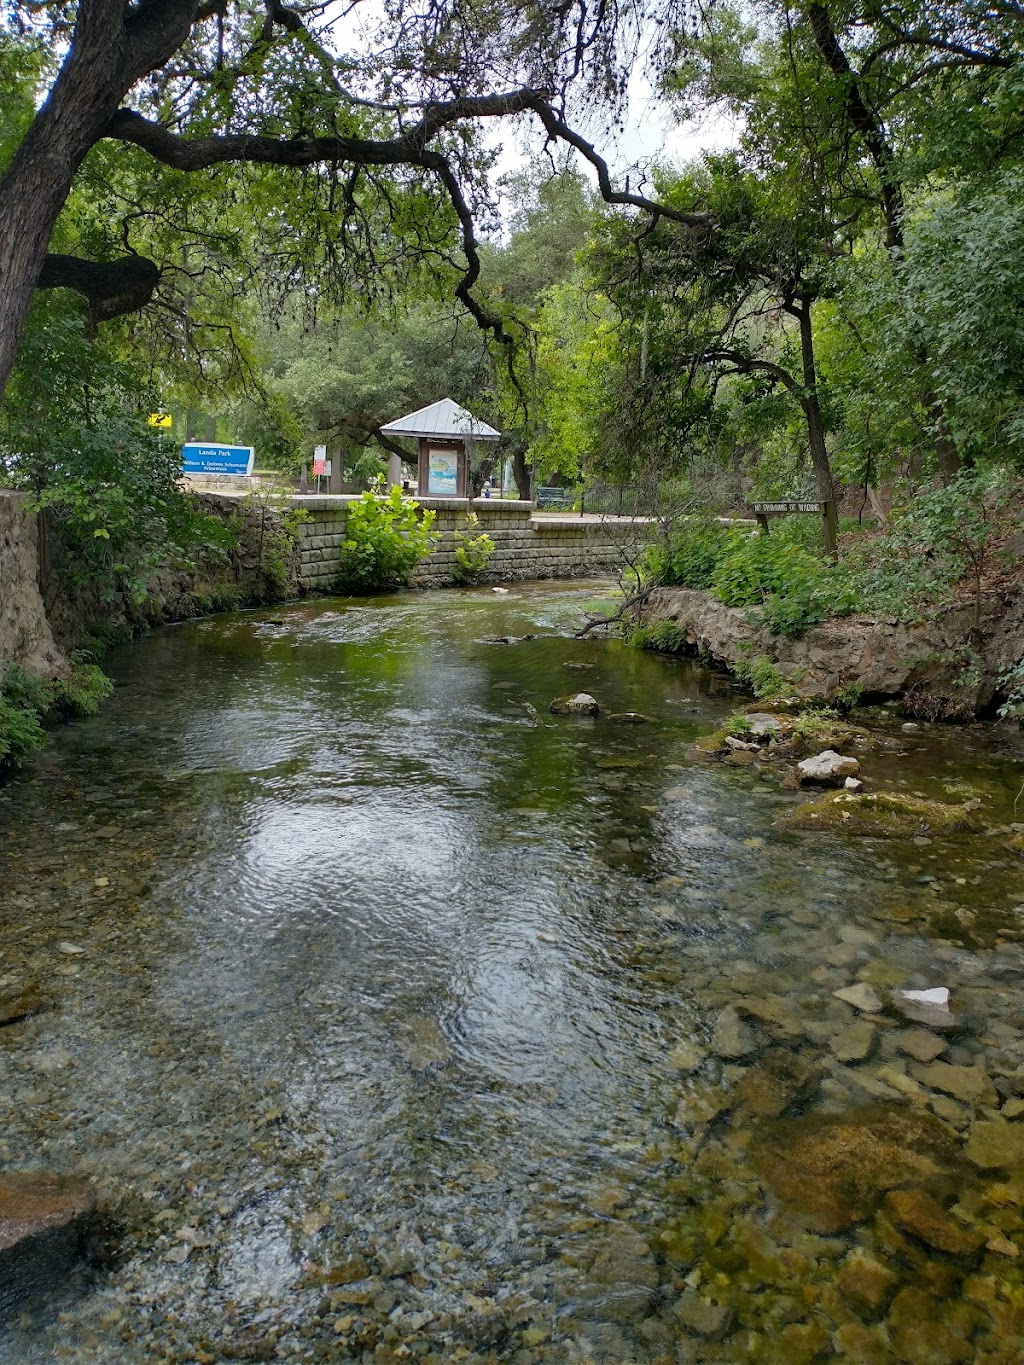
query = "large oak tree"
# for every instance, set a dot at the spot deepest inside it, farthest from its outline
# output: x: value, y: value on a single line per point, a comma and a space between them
x: 197, y: 84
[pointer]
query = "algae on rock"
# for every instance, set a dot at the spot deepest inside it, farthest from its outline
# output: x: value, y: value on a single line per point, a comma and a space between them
x: 880, y: 814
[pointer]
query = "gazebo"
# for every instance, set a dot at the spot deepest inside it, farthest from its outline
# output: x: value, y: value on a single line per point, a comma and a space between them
x: 446, y: 434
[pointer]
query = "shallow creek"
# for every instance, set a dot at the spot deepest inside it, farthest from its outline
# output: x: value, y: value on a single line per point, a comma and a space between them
x: 394, y: 1021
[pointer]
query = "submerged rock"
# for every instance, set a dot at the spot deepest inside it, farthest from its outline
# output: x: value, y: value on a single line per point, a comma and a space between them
x: 994, y: 1143
x: 732, y: 1038
x: 861, y: 996
x: 920, y: 1044
x: 423, y: 1044
x: 686, y: 1056
x: 779, y: 1079
x: 14, y: 1008
x: 836, y: 1169
x: 32, y: 1203
x: 622, y: 1280
x: 702, y: 1316
x: 967, y: 1083
x: 916, y: 1212
x: 867, y: 1284
x: 43, y: 1219
x: 630, y: 718
x: 854, y: 1043
x: 827, y: 769
x: 579, y: 704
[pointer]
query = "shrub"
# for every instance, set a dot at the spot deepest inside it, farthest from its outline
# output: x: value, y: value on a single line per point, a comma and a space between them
x: 473, y: 549
x: 689, y: 554
x: 25, y: 702
x: 938, y: 539
x: 386, y: 540
x: 764, y: 678
x: 664, y: 637
x: 20, y: 732
x: 274, y: 521
x: 83, y: 689
x: 22, y: 700
x: 1011, y: 684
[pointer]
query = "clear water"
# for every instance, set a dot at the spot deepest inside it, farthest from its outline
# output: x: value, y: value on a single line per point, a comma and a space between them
x: 372, y: 1048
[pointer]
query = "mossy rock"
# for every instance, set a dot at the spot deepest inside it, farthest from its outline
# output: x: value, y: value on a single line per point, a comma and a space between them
x: 1017, y: 843
x: 834, y: 1170
x: 713, y: 743
x: 880, y: 815
x: 736, y: 727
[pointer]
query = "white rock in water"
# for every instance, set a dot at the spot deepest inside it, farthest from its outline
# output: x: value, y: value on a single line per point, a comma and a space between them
x: 853, y: 784
x: 741, y: 744
x: 938, y: 997
x: 827, y: 769
x: 501, y: 590
x: 581, y: 704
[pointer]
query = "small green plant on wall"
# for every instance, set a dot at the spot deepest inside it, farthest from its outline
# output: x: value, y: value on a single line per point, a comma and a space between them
x: 275, y: 521
x: 473, y: 549
x: 386, y: 538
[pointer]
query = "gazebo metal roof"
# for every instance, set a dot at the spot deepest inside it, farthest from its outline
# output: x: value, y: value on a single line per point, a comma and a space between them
x: 444, y: 418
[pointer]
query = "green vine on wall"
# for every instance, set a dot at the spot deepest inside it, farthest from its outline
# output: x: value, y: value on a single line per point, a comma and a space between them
x: 473, y: 550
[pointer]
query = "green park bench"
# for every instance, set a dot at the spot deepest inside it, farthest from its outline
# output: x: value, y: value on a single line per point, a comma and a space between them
x: 553, y: 497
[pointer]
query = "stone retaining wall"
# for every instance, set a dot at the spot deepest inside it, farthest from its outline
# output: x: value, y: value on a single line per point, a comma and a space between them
x: 526, y: 545
x: 38, y: 627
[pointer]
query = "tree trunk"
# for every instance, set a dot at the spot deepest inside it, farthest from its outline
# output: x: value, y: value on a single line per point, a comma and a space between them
x: 946, y: 453
x: 815, y: 426
x: 521, y: 474
x: 83, y: 100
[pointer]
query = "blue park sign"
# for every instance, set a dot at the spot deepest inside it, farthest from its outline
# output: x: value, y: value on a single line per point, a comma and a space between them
x: 216, y: 459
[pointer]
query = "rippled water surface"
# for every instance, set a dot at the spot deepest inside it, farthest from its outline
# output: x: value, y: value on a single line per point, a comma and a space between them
x: 414, y: 1022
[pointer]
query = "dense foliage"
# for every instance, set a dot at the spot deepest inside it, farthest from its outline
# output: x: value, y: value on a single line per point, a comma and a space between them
x: 385, y: 538
x: 26, y: 702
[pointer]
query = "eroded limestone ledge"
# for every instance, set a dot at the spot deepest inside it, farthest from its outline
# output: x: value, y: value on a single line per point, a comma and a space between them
x: 25, y: 634
x: 939, y: 664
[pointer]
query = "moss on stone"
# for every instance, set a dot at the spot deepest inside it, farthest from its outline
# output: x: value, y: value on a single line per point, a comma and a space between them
x: 880, y: 814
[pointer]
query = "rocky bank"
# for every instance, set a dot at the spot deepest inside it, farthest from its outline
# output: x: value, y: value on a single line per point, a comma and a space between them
x: 940, y: 667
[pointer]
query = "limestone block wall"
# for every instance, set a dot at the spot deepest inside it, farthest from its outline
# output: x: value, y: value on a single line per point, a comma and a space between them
x: 526, y: 545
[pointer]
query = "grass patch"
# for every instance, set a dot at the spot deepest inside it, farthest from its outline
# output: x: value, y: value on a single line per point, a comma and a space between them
x: 880, y: 815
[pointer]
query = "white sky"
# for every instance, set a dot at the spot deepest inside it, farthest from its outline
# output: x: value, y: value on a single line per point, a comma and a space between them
x: 651, y: 132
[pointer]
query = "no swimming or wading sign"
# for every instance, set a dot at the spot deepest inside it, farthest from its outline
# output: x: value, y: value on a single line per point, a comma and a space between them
x: 211, y: 458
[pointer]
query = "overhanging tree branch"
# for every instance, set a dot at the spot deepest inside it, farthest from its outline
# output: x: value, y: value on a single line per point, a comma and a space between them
x: 111, y: 288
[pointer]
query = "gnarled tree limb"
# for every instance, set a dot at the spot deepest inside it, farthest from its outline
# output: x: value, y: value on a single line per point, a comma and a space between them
x: 111, y: 288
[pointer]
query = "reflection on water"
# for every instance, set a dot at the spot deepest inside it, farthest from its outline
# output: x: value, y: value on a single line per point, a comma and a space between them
x: 410, y: 1024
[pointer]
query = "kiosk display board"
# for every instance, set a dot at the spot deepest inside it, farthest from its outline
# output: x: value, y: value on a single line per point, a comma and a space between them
x: 443, y: 473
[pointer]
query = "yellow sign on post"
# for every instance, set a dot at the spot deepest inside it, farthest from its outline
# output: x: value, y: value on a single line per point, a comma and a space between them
x: 161, y: 419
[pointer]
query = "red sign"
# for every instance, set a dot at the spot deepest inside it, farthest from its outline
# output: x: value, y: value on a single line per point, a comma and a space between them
x: 319, y: 468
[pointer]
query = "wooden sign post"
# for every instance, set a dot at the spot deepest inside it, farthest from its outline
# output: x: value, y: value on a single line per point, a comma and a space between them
x: 786, y: 507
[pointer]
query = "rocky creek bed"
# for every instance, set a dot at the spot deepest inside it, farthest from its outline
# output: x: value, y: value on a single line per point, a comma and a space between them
x: 389, y: 1016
